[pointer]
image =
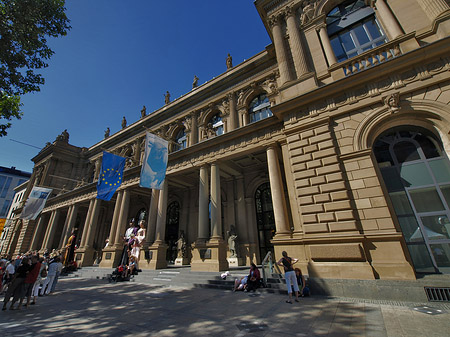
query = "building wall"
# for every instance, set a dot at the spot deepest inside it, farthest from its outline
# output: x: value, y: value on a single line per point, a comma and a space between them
x: 328, y: 203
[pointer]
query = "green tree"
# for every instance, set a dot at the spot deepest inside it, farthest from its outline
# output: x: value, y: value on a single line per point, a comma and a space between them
x: 25, y: 26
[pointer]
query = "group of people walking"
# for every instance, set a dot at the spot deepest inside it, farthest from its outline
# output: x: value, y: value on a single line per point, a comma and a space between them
x: 27, y: 277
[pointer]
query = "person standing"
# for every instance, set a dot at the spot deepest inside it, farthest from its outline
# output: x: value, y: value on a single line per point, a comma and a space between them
x: 289, y: 274
x: 58, y: 272
x: 52, y: 270
x: 30, y: 280
x: 16, y: 287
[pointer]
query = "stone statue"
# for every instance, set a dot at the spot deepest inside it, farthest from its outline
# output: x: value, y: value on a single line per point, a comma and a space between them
x: 195, y: 82
x: 167, y: 97
x: 124, y: 122
x: 63, y: 137
x: 107, y: 132
x: 232, y: 242
x: 143, y: 111
x: 181, y: 246
x: 229, y: 61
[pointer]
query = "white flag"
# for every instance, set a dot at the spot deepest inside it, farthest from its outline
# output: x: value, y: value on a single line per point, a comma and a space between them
x: 35, y: 202
x: 154, y: 166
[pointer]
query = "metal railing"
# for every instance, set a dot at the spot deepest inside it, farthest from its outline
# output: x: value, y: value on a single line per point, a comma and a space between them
x: 270, y: 268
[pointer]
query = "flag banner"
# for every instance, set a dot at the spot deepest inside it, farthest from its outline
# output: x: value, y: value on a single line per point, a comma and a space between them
x: 35, y: 203
x: 154, y: 165
x: 111, y: 175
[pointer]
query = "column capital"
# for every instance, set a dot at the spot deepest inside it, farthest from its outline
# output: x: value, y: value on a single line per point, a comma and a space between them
x: 274, y: 20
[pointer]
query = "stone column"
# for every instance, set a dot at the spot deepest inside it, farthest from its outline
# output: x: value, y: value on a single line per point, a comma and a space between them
x: 252, y: 227
x: 295, y: 41
x: 51, y: 230
x: 203, y: 203
x: 122, y: 221
x: 280, y: 49
x: 158, y: 249
x: 243, y: 116
x: 194, y: 129
x: 386, y: 16
x: 433, y: 8
x: 329, y: 53
x: 70, y: 223
x: 233, y: 112
x: 93, y: 224
x: 115, y: 219
x: 216, y: 206
x: 277, y: 191
x: 86, y: 224
x: 152, y: 215
x: 39, y: 228
x: 161, y: 215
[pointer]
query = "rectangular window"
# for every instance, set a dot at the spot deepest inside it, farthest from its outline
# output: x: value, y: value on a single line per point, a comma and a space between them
x: 5, y: 207
x: 5, y: 189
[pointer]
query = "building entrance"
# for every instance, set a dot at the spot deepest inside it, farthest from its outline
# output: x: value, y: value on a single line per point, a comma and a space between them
x: 265, y: 219
x: 172, y: 225
x: 416, y: 172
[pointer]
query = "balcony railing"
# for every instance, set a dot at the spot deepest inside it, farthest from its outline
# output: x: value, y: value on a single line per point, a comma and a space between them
x: 372, y: 57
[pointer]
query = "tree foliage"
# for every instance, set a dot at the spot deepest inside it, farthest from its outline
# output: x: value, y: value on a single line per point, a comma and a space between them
x: 25, y: 26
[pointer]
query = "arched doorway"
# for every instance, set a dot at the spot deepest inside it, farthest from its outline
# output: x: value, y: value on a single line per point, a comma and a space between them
x: 416, y: 172
x: 172, y: 225
x: 264, y: 218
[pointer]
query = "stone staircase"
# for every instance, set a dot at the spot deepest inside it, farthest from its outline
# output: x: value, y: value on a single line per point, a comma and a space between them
x: 406, y: 291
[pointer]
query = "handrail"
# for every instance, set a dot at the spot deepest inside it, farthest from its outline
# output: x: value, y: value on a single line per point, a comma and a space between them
x: 272, y: 266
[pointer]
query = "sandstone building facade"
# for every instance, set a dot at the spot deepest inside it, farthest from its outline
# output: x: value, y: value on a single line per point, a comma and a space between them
x: 331, y: 144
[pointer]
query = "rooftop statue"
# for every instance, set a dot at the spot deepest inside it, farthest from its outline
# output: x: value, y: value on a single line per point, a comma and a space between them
x: 195, y: 82
x: 107, y: 132
x: 229, y: 61
x: 167, y: 97
x: 124, y: 122
x: 143, y: 111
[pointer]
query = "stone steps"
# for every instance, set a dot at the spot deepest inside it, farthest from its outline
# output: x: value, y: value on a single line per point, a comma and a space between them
x: 408, y: 291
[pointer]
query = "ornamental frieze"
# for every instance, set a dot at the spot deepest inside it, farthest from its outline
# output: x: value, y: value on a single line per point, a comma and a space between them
x: 223, y: 150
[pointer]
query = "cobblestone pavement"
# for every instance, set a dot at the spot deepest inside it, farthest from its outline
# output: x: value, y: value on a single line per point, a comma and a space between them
x: 94, y: 307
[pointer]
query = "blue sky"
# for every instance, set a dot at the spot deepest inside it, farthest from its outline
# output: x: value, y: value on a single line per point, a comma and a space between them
x: 117, y: 58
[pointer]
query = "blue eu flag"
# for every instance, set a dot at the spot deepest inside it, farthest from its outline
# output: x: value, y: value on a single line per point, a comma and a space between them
x: 111, y: 175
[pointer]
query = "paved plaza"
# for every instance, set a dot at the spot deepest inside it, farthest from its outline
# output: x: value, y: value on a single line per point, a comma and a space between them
x: 85, y: 307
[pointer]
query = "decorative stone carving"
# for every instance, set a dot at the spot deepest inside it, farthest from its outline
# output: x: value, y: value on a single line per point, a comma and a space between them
x: 143, y: 112
x: 308, y: 11
x: 392, y: 102
x: 124, y: 122
x: 187, y: 123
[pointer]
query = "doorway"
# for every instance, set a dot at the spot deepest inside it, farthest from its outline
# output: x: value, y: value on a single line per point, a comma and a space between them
x: 265, y: 219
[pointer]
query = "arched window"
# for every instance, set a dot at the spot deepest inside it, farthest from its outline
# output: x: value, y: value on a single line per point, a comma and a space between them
x: 217, y: 124
x: 180, y: 140
x: 353, y: 29
x: 417, y: 176
x: 259, y: 108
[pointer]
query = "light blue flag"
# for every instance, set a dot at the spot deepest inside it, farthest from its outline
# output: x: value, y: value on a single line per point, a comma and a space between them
x: 111, y: 175
x: 154, y: 166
